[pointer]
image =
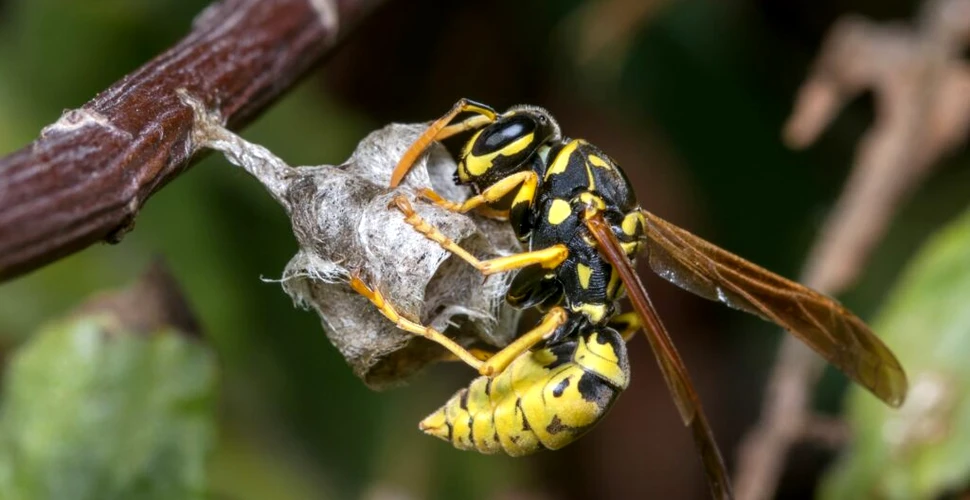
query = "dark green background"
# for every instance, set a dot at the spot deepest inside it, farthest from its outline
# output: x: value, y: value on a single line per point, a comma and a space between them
x: 692, y: 110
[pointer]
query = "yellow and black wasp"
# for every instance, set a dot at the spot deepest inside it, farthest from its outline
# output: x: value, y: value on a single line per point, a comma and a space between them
x: 577, y: 212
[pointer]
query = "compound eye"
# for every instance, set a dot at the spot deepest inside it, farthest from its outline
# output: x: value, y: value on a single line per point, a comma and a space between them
x: 506, y: 132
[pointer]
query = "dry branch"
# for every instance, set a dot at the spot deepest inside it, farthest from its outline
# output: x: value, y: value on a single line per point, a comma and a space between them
x: 922, y: 92
x: 87, y: 175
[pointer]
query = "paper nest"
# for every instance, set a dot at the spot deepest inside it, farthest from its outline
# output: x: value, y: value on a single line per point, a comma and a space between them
x: 342, y: 223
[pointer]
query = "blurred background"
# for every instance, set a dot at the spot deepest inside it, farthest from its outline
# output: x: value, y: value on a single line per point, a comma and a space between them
x: 690, y: 96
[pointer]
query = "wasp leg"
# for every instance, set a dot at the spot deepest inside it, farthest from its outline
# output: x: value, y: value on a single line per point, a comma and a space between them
x: 501, y: 360
x: 377, y: 298
x: 480, y: 354
x: 439, y: 129
x: 548, y: 258
x: 526, y: 182
x: 628, y: 324
x: 481, y: 209
x: 484, y: 211
x: 491, y: 213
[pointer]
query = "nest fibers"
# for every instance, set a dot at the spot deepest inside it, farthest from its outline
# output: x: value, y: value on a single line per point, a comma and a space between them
x: 342, y: 222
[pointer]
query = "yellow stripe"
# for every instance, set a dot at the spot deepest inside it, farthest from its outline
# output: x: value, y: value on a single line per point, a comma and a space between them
x: 478, y: 165
x: 601, y: 359
x: 596, y: 161
x: 562, y: 159
x: 613, y: 287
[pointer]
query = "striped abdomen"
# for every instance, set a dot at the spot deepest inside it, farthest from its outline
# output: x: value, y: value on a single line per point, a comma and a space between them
x: 545, y: 399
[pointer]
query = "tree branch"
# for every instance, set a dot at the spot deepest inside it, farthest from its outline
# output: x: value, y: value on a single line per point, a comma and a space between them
x: 88, y: 174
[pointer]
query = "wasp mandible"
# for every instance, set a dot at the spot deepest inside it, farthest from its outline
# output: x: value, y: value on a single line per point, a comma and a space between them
x: 578, y: 214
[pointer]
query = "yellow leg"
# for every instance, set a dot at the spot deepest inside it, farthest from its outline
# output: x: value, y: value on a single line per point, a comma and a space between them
x: 548, y: 258
x: 628, y: 324
x: 526, y: 182
x: 480, y: 354
x: 413, y: 327
x: 487, y: 363
x: 483, y: 210
x: 440, y: 129
x: 502, y: 359
x: 491, y: 213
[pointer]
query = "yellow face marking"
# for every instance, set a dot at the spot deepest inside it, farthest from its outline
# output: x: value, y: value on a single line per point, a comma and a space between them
x: 584, y: 274
x: 632, y: 223
x: 562, y: 159
x: 478, y: 165
x: 466, y: 152
x: 559, y: 211
x: 590, y: 179
x: 596, y: 161
x: 595, y: 312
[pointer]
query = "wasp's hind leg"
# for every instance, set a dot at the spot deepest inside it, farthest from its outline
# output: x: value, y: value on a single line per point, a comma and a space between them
x: 498, y: 362
x: 487, y: 363
x: 547, y: 258
x: 440, y: 129
x: 389, y: 311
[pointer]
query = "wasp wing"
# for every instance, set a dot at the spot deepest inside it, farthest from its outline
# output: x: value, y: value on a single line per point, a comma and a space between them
x: 671, y: 365
x: 825, y: 325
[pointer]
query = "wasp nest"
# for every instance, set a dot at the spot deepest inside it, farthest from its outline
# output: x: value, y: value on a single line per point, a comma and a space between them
x: 343, y: 225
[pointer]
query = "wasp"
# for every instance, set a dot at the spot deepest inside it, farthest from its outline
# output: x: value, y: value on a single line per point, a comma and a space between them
x: 576, y: 211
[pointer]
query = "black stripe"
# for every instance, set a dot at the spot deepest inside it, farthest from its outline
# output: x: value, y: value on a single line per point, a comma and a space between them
x: 525, y: 421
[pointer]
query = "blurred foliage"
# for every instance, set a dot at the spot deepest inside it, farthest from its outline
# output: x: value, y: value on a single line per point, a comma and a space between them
x: 94, y: 410
x: 920, y: 450
x: 694, y: 113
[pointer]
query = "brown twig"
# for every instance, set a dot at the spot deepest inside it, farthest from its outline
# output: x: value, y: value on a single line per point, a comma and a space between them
x: 922, y: 92
x: 87, y: 175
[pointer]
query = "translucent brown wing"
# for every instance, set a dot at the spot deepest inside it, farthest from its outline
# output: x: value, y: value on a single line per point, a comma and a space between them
x: 671, y: 365
x: 825, y: 325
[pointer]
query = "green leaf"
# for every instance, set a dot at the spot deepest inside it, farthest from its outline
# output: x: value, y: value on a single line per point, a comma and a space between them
x: 921, y: 450
x: 92, y: 410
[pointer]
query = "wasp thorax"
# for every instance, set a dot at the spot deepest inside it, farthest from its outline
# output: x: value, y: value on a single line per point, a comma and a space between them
x: 504, y: 147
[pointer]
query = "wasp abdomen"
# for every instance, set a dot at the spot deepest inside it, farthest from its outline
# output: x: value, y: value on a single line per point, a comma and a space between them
x: 545, y: 399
